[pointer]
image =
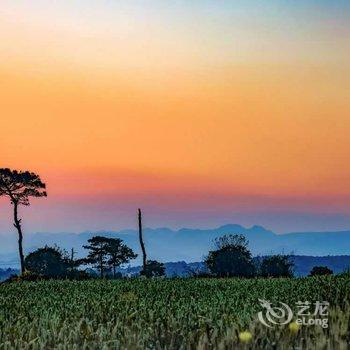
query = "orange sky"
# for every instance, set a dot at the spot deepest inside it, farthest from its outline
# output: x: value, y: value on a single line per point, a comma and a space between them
x: 104, y: 100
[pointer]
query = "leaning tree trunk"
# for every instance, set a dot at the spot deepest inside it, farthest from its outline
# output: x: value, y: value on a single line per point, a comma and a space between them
x: 144, y: 257
x: 17, y: 224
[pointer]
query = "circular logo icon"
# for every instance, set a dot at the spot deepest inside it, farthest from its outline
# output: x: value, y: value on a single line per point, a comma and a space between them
x: 274, y: 315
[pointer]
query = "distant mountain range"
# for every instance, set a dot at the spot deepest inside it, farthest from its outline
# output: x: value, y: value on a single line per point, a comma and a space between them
x: 189, y: 245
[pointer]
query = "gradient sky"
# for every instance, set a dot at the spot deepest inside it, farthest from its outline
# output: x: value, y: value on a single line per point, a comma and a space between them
x: 200, y: 112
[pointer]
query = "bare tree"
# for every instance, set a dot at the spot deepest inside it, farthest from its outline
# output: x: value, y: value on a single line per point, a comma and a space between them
x: 142, y: 244
x: 19, y: 186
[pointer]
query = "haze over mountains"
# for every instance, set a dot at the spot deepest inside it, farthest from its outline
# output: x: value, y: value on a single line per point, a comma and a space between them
x: 189, y: 245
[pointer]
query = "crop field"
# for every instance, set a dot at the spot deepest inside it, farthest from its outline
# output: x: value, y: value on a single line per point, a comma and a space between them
x: 167, y: 314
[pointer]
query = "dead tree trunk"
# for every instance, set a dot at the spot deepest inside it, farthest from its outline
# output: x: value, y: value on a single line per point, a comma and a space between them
x: 72, y: 264
x: 144, y: 256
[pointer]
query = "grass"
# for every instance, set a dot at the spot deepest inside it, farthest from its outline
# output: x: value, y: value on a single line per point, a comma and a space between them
x: 166, y: 314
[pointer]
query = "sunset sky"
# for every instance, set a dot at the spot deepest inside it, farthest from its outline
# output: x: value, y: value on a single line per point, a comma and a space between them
x: 202, y: 113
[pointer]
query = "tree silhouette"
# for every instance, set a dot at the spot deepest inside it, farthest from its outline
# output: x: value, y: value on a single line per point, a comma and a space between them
x: 153, y: 268
x: 48, y: 261
x: 320, y: 271
x: 119, y: 253
x: 231, y: 257
x: 98, y: 253
x: 277, y: 266
x: 19, y: 186
x: 107, y: 253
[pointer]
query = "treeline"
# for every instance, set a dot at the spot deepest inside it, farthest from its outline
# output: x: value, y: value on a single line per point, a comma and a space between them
x: 230, y: 258
x: 104, y: 256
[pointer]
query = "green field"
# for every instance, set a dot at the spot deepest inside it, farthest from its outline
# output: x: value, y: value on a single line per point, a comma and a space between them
x: 166, y: 314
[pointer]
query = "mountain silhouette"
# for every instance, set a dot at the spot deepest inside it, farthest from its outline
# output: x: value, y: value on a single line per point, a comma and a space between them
x: 190, y: 245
